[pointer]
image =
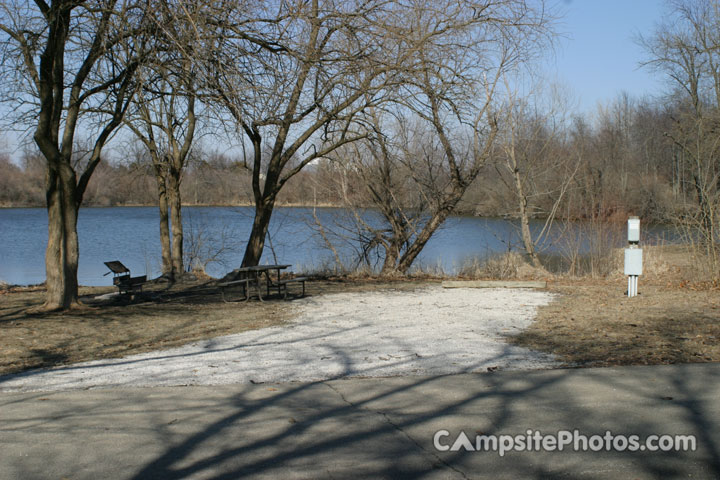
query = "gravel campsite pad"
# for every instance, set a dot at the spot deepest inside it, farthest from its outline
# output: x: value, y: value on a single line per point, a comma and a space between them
x: 426, y: 331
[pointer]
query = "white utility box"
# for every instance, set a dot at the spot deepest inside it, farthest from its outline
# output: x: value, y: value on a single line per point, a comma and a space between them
x: 633, y: 261
x: 633, y: 230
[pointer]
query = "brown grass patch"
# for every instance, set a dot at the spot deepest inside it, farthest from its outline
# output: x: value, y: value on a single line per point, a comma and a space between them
x: 595, y: 324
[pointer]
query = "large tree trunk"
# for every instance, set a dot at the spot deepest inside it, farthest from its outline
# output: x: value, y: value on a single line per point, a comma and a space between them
x: 423, y: 237
x: 176, y: 223
x: 400, y: 237
x: 62, y: 253
x: 167, y: 266
x: 392, y: 252
x: 256, y: 242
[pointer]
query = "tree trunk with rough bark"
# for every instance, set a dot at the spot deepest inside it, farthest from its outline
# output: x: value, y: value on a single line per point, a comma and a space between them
x: 256, y: 241
x: 62, y: 253
x: 167, y: 266
x: 176, y: 223
x: 392, y: 252
x: 425, y: 234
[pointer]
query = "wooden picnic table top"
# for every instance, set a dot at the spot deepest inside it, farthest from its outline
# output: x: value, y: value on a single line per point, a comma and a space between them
x: 260, y: 268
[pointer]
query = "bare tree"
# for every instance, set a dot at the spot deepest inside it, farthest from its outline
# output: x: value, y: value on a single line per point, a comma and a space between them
x: 433, y: 138
x: 79, y: 60
x: 302, y: 76
x: 387, y: 175
x: 294, y: 81
x: 540, y: 169
x: 293, y: 84
x: 164, y: 119
x: 687, y: 50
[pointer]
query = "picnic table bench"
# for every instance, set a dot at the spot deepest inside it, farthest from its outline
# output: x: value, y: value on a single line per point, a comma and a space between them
x: 244, y: 282
x: 258, y: 276
x: 283, y: 284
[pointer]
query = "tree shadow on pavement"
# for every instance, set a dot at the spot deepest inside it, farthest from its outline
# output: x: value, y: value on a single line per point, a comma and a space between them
x: 375, y: 427
x: 385, y: 429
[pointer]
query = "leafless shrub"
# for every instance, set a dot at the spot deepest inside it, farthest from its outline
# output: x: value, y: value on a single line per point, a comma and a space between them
x: 501, y: 267
x: 588, y: 247
x: 205, y: 246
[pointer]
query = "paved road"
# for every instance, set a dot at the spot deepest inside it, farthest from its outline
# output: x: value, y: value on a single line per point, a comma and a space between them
x: 366, y: 428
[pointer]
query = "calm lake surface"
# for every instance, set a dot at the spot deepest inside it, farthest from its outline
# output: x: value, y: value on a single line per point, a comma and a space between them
x: 130, y: 234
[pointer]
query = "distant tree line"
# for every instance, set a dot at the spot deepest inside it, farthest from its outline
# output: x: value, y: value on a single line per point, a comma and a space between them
x: 619, y: 160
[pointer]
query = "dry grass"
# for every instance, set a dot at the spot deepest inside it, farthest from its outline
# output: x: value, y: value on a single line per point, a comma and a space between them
x: 595, y: 324
x: 510, y: 265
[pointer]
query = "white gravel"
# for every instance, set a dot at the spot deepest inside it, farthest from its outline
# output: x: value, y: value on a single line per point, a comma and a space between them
x: 428, y: 331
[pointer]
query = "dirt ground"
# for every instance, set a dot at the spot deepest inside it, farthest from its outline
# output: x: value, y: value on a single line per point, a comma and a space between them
x: 590, y: 323
x: 159, y: 319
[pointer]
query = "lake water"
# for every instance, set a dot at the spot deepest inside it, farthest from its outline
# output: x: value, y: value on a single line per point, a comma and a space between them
x: 130, y: 234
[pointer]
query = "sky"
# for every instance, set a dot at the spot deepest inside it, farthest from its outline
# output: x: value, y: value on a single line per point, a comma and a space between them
x: 595, y: 58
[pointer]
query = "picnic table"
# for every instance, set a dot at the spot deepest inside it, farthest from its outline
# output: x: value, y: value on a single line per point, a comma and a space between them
x: 259, y: 278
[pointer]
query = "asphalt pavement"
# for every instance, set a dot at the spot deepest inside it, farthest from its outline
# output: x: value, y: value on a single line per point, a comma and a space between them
x: 440, y: 427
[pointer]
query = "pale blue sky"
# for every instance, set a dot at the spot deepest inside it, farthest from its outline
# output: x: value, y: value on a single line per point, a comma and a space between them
x: 597, y: 56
